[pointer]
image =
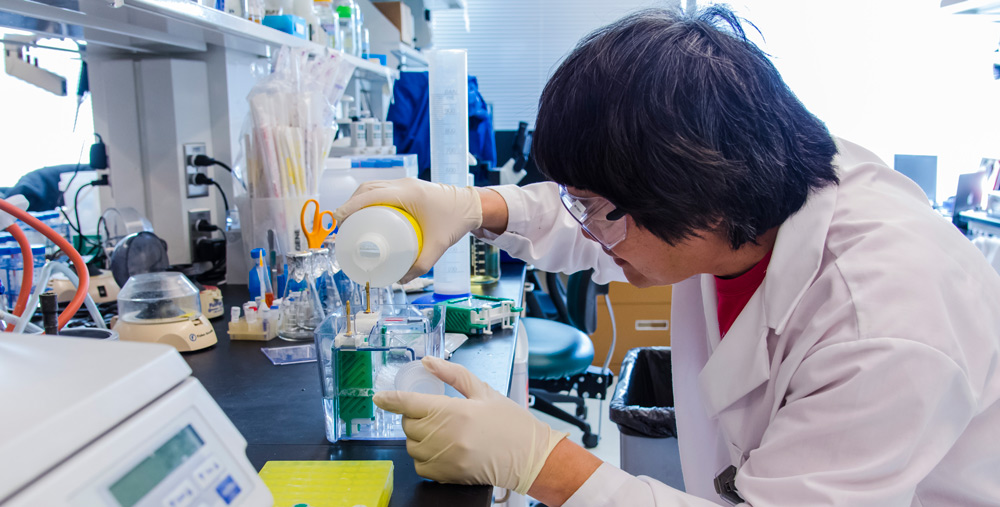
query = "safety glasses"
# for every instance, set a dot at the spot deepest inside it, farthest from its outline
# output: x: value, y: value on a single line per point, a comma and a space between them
x: 601, y: 219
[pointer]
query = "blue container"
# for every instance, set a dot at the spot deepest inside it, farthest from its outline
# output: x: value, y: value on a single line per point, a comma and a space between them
x: 7, y: 253
x: 289, y: 24
x: 13, y: 268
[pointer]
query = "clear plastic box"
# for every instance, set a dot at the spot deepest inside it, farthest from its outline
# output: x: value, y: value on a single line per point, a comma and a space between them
x: 367, y: 353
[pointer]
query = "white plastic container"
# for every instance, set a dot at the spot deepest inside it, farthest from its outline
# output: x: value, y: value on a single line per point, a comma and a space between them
x: 373, y: 135
x: 378, y: 245
x: 388, y: 142
x: 336, y: 184
x: 359, y: 136
x: 449, y: 108
x: 305, y: 10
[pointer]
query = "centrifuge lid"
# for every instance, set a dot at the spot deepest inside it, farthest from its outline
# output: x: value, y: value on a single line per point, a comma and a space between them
x: 140, y: 252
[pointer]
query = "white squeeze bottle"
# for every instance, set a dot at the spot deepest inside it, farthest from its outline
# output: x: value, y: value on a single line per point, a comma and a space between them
x: 378, y: 245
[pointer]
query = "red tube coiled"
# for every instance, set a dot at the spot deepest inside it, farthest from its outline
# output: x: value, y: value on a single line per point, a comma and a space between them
x: 74, y: 256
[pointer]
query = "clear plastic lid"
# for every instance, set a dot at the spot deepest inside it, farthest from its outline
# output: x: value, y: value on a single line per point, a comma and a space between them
x: 154, y: 298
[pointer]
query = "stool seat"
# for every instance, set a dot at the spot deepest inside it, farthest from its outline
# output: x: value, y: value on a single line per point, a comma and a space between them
x: 556, y: 350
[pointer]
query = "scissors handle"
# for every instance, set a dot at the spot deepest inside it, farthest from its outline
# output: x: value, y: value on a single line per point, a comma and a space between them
x: 317, y: 233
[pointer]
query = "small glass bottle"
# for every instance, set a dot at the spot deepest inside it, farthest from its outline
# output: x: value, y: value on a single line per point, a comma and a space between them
x: 329, y: 21
x: 347, y: 11
x: 301, y: 310
x: 365, y: 43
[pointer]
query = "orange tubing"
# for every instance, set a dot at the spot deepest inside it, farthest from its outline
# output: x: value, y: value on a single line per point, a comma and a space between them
x: 27, y: 273
x: 81, y: 267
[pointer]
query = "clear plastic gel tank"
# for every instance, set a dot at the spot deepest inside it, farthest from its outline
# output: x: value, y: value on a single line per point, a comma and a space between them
x: 364, y: 353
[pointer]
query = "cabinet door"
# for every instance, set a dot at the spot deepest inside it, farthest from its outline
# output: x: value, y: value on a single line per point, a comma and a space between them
x: 639, y: 325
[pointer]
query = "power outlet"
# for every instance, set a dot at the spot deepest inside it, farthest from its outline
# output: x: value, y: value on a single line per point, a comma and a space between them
x: 194, y: 216
x: 192, y: 150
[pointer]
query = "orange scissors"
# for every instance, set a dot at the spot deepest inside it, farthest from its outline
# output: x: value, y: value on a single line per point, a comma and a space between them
x: 318, y: 233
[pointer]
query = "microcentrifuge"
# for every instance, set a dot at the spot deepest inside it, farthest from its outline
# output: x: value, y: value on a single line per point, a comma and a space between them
x: 163, y: 308
x: 119, y: 424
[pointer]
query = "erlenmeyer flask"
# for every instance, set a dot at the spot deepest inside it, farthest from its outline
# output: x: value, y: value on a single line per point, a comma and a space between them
x: 301, y: 310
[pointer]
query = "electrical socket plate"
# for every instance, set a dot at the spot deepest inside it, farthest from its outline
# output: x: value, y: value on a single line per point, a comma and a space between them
x: 193, y: 217
x: 190, y: 151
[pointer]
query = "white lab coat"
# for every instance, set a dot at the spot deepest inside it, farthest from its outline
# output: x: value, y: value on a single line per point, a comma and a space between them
x: 863, y: 371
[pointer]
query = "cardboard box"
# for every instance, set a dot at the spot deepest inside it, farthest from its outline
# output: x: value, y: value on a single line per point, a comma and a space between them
x: 639, y: 325
x: 626, y: 293
x: 399, y: 14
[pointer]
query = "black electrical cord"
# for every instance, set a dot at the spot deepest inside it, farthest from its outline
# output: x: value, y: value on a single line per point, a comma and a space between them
x: 76, y: 212
x: 76, y: 209
x: 107, y: 235
x: 217, y: 271
x: 62, y: 196
x: 225, y: 202
x: 205, y: 161
x: 201, y: 179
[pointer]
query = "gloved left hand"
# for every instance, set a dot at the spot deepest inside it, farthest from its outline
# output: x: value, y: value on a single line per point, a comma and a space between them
x: 483, y: 439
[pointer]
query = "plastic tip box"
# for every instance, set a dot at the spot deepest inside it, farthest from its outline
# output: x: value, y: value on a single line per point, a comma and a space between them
x: 329, y: 483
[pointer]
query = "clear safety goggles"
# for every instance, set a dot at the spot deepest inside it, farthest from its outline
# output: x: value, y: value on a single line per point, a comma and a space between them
x: 602, y: 220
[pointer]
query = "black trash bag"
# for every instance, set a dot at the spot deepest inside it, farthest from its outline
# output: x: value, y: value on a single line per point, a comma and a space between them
x: 643, y: 403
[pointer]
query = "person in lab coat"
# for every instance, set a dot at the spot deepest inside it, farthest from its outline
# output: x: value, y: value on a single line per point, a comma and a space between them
x: 835, y: 342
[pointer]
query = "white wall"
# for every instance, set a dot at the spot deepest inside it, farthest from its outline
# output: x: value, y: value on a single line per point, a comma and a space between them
x: 36, y: 127
x: 515, y: 45
x: 897, y: 76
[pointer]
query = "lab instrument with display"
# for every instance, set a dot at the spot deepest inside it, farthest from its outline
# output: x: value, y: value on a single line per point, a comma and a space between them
x: 119, y: 424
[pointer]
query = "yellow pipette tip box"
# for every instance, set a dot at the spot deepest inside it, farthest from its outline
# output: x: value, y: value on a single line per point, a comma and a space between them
x: 329, y: 483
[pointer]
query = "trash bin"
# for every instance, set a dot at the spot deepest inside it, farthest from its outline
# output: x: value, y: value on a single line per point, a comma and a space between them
x: 643, y: 409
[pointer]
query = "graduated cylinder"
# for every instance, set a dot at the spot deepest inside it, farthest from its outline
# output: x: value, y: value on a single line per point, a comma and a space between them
x: 449, y: 105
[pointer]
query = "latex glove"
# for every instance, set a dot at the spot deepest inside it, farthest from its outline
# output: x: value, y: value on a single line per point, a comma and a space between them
x: 445, y: 213
x: 483, y: 439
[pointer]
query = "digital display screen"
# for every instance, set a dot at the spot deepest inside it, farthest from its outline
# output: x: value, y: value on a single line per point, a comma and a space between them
x: 157, y: 466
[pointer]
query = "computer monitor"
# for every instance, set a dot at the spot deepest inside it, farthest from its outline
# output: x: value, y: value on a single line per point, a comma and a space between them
x: 991, y: 181
x: 969, y: 193
x: 922, y: 169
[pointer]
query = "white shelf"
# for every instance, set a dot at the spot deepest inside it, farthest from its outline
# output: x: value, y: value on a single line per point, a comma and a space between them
x: 444, y: 4
x: 989, y: 8
x: 170, y: 26
x: 410, y: 57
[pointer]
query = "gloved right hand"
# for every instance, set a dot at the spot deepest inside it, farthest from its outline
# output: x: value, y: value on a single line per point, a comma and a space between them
x: 485, y: 438
x: 445, y: 213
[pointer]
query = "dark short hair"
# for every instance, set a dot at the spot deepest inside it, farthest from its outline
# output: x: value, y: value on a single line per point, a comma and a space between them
x: 684, y: 124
